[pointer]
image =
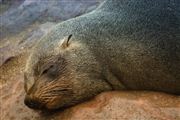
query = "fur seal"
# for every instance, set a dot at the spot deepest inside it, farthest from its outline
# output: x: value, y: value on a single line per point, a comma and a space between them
x: 122, y: 45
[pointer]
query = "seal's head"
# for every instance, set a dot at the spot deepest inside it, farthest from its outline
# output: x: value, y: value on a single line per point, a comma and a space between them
x: 61, y: 73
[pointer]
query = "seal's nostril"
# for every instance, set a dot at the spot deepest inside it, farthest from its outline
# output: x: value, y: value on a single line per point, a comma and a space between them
x: 32, y: 103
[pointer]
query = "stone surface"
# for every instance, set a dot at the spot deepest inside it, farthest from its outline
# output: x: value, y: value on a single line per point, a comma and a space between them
x: 17, y: 18
x: 12, y: 46
x: 127, y: 106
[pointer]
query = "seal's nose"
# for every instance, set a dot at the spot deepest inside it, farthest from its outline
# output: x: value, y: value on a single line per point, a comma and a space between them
x: 34, y: 104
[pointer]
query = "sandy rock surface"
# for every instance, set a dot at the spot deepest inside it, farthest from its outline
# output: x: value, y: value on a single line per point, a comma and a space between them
x: 127, y: 106
x: 12, y: 46
x: 21, y: 16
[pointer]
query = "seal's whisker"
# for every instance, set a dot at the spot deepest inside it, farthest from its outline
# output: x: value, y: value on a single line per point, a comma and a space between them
x: 46, y: 88
x: 56, y: 91
x: 54, y: 84
x: 51, y: 100
x: 46, y: 96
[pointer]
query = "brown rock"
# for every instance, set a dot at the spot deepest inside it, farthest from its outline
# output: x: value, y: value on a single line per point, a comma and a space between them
x: 126, y: 106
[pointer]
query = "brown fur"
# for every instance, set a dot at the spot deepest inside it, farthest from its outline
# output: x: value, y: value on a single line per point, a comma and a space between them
x: 124, y: 44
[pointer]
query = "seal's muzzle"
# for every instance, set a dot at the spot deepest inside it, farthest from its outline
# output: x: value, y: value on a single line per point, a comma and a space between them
x: 31, y: 103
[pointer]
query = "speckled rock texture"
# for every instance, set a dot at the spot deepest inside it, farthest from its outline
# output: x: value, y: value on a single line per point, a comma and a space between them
x: 20, y: 16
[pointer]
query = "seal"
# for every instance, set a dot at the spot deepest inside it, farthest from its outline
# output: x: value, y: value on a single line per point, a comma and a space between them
x: 122, y: 45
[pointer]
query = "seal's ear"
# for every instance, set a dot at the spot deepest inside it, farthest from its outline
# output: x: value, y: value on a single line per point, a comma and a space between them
x: 65, y: 41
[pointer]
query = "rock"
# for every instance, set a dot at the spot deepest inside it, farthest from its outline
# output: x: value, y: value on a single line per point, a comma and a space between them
x: 126, y: 106
x: 16, y: 19
x: 12, y: 46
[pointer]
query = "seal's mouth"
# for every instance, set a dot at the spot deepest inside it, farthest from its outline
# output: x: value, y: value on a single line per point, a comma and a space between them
x: 50, y: 96
x: 42, y: 104
x: 33, y: 104
x: 37, y: 106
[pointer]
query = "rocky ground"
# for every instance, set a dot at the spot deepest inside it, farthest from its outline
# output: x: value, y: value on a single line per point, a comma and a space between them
x: 23, y: 23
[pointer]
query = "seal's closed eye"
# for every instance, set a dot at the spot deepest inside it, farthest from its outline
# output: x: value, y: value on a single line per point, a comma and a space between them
x: 51, y: 71
x: 45, y: 71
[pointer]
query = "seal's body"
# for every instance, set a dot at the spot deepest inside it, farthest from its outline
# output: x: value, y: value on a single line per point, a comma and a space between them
x: 123, y: 44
